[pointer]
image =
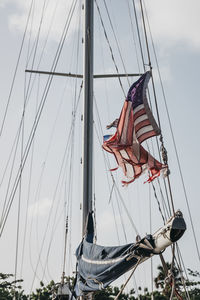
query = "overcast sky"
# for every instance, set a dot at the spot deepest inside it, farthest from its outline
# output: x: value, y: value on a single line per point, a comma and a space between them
x: 175, y: 29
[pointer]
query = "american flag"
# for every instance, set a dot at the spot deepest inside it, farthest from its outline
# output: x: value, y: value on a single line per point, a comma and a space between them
x: 135, y: 125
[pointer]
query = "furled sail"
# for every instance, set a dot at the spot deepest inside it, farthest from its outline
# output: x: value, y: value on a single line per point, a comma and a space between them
x: 135, y: 125
x: 98, y: 266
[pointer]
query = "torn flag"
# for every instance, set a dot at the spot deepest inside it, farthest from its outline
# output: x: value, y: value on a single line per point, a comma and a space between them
x: 135, y: 125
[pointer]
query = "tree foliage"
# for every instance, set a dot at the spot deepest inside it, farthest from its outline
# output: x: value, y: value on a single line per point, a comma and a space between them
x: 11, y: 289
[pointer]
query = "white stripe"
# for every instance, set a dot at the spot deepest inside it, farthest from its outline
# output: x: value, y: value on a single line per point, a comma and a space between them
x: 144, y: 130
x: 139, y: 107
x: 124, y: 154
x: 104, y: 262
x: 129, y: 168
x: 126, y: 121
x: 130, y: 172
x: 140, y: 119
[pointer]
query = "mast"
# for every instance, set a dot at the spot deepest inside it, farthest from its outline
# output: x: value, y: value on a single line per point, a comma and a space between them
x: 87, y: 111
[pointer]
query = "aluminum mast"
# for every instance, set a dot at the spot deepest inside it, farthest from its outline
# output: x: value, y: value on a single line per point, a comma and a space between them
x: 87, y: 111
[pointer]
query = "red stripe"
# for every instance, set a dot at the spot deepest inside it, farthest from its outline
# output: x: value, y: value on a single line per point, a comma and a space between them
x: 120, y: 160
x: 139, y: 113
x: 146, y: 135
x: 120, y: 126
x: 129, y: 137
x: 142, y: 124
x: 143, y: 156
x: 132, y: 156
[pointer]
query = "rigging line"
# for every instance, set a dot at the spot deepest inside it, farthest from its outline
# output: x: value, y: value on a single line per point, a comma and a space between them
x: 110, y: 48
x: 116, y: 40
x: 171, y: 272
x: 33, y: 130
x: 121, y: 219
x: 16, y: 68
x: 156, y: 103
x: 163, y: 213
x: 111, y: 190
x: 65, y: 166
x: 30, y: 34
x: 30, y: 52
x: 127, y: 212
x: 107, y: 163
x: 165, y: 185
x: 100, y: 39
x: 119, y: 194
x: 178, y: 262
x: 36, y: 46
x: 70, y: 184
x: 62, y: 39
x: 155, y: 194
x: 43, y: 49
x: 74, y: 111
x: 124, y: 285
x: 5, y: 205
x: 20, y: 191
x: 31, y: 224
x: 174, y: 143
x: 142, y: 55
x: 120, y: 214
x: 69, y: 137
x: 133, y: 35
x: 165, y: 209
x: 50, y: 141
x: 138, y: 33
x: 150, y: 227
x: 29, y: 188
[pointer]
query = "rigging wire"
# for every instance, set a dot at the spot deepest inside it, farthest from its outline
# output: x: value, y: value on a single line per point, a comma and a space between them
x: 19, y: 200
x: 15, y: 71
x: 29, y: 90
x: 143, y: 61
x: 37, y: 42
x: 173, y: 139
x: 39, y: 112
x: 116, y: 40
x: 63, y: 166
x: 159, y: 122
x: 150, y: 227
x: 113, y: 180
x: 29, y: 190
x: 133, y: 35
x: 156, y: 103
x: 109, y: 46
x: 138, y: 33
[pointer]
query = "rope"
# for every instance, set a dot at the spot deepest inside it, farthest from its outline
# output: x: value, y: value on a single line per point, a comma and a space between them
x: 158, y: 202
x: 138, y: 33
x: 174, y: 143
x: 123, y: 287
x: 133, y: 35
x: 63, y: 169
x: 110, y: 48
x: 39, y: 112
x: 16, y: 68
x: 117, y: 43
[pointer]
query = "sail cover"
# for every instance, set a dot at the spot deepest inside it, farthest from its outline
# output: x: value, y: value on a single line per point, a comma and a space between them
x: 135, y: 125
x: 98, y: 266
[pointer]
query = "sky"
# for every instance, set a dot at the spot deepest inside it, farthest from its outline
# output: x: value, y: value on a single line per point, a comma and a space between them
x: 51, y: 185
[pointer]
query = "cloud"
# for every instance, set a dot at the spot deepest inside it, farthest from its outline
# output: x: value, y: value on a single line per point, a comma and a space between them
x: 40, y: 208
x: 175, y: 21
x: 55, y: 16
